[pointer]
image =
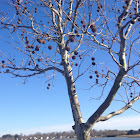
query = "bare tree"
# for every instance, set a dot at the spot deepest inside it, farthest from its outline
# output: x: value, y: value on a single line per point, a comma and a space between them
x: 73, y: 31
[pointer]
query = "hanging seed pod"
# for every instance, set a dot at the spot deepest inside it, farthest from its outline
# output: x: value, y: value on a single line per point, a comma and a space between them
x: 50, y: 47
x: 3, y: 61
x: 27, y: 42
x: 33, y: 52
x: 37, y: 48
x: 93, y: 58
x: 93, y: 63
x: 132, y: 22
x: 78, y: 35
x: 74, y: 57
x: 72, y: 38
x: 96, y: 72
x: 76, y: 31
x: 84, y: 26
x: 76, y: 52
x: 82, y: 21
x: 90, y: 76
x: 32, y: 46
x: 36, y: 66
x: 19, y: 22
x: 43, y: 42
x: 97, y: 75
x: 39, y: 59
x: 39, y: 40
x: 7, y: 70
x: 97, y: 81
x: 93, y: 28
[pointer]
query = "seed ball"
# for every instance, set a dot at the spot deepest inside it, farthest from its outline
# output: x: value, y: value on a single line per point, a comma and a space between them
x: 119, y: 10
x: 50, y: 47
x: 78, y: 35
x: 39, y: 60
x: 98, y: 10
x: 96, y: 81
x: 39, y: 40
x: 76, y: 31
x: 131, y: 93
x: 48, y: 87
x: 29, y: 46
x: 74, y: 57
x: 7, y: 70
x: 93, y: 63
x: 124, y: 7
x: 33, y: 52
x: 67, y: 48
x: 29, y: 64
x: 35, y: 8
x: 43, y: 42
x: 19, y: 22
x: 37, y: 48
x: 84, y: 26
x: 49, y: 84
x: 94, y: 30
x: 82, y: 21
x: 37, y: 66
x: 92, y: 25
x: 90, y: 76
x: 32, y: 46
x: 93, y: 58
x: 96, y: 72
x: 76, y: 52
x: 27, y: 42
x: 132, y: 22
x: 131, y: 96
x: 76, y: 64
x: 3, y: 61
x: 97, y: 75
x: 72, y: 38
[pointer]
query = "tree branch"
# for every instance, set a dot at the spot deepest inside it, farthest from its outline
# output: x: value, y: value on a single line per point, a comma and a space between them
x: 118, y: 112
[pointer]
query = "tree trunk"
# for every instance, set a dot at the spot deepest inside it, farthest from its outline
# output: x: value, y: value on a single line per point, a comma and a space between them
x: 82, y: 133
x: 79, y: 127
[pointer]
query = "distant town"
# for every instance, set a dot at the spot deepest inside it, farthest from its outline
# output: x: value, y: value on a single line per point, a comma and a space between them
x: 70, y: 134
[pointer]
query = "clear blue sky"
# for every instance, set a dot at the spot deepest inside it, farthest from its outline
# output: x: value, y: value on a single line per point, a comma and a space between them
x: 30, y: 108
